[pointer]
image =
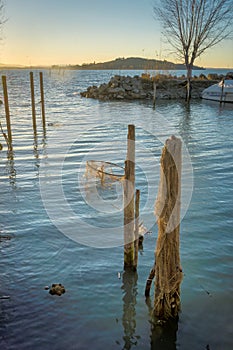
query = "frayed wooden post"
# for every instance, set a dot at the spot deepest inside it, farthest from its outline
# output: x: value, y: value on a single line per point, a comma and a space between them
x: 7, y: 111
x: 33, y: 102
x: 168, y: 273
x: 129, y: 189
x: 42, y: 100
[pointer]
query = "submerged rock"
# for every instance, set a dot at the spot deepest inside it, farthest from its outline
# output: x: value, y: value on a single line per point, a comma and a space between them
x: 57, y: 289
x: 141, y: 88
x: 5, y: 238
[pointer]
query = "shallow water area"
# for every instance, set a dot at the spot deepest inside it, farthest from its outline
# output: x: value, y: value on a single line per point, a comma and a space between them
x: 65, y: 231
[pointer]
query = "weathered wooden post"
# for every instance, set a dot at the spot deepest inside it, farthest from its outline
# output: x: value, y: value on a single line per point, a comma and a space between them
x: 42, y: 99
x: 33, y: 102
x: 129, y: 190
x: 168, y: 273
x: 136, y: 227
x: 222, y: 91
x: 7, y: 111
x: 154, y: 93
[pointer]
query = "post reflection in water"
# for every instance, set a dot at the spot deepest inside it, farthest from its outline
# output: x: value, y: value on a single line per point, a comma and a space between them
x: 163, y: 334
x: 35, y: 147
x: 10, y: 168
x: 129, y: 312
x: 163, y: 337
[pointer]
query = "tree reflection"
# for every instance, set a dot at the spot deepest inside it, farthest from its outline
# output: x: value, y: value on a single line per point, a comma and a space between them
x: 185, y: 122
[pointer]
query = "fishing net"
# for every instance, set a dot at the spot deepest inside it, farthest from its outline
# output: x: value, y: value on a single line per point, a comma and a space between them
x: 168, y: 272
x: 104, y: 181
x: 103, y: 184
x: 106, y: 172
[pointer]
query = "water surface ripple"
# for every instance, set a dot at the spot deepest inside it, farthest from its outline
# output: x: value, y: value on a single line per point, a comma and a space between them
x: 99, y: 310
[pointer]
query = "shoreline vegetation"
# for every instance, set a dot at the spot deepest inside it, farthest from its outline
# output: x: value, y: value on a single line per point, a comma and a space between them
x: 160, y: 86
x: 131, y: 63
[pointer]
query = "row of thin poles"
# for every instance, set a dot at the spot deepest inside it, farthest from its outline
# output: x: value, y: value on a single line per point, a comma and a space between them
x: 41, y: 101
x: 7, y: 109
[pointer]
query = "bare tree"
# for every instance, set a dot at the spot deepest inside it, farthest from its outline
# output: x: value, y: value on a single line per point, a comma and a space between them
x: 193, y: 26
x: 2, y: 16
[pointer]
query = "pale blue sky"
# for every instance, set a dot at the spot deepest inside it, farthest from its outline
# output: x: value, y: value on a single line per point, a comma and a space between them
x: 75, y: 31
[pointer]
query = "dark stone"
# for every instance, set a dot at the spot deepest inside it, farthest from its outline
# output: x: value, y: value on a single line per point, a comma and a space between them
x: 57, y: 289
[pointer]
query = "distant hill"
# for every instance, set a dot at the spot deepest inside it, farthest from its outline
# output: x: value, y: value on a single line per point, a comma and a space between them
x: 134, y: 63
x: 131, y: 63
x: 9, y: 66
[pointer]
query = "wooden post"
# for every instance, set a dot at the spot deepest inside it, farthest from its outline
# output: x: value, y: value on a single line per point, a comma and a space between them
x: 128, y: 218
x: 129, y: 190
x: 7, y: 111
x: 154, y: 93
x: 168, y: 273
x: 131, y: 148
x: 33, y: 102
x: 42, y: 99
x: 136, y: 228
x: 222, y: 91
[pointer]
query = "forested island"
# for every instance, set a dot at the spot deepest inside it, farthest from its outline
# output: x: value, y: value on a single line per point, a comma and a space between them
x: 131, y: 63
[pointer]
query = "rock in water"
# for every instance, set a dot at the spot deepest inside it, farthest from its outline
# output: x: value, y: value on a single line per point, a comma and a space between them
x: 57, y: 289
x: 141, y: 88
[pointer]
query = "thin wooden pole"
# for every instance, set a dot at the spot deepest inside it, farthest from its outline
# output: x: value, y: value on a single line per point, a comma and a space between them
x: 149, y: 281
x: 128, y: 218
x: 222, y: 90
x: 33, y: 102
x: 154, y: 93
x: 7, y: 111
x: 136, y: 229
x: 168, y: 273
x: 42, y: 99
x: 129, y: 190
x: 131, y: 148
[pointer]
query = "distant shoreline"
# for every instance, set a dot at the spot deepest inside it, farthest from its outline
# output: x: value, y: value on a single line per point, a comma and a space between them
x: 71, y: 68
x: 131, y: 63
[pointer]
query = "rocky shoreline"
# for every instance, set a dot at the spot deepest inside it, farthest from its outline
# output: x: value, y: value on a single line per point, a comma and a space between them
x: 146, y: 87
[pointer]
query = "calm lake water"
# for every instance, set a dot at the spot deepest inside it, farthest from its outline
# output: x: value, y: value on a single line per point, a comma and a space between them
x: 64, y: 232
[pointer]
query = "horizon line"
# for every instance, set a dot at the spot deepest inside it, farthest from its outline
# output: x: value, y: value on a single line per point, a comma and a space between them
x: 22, y: 66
